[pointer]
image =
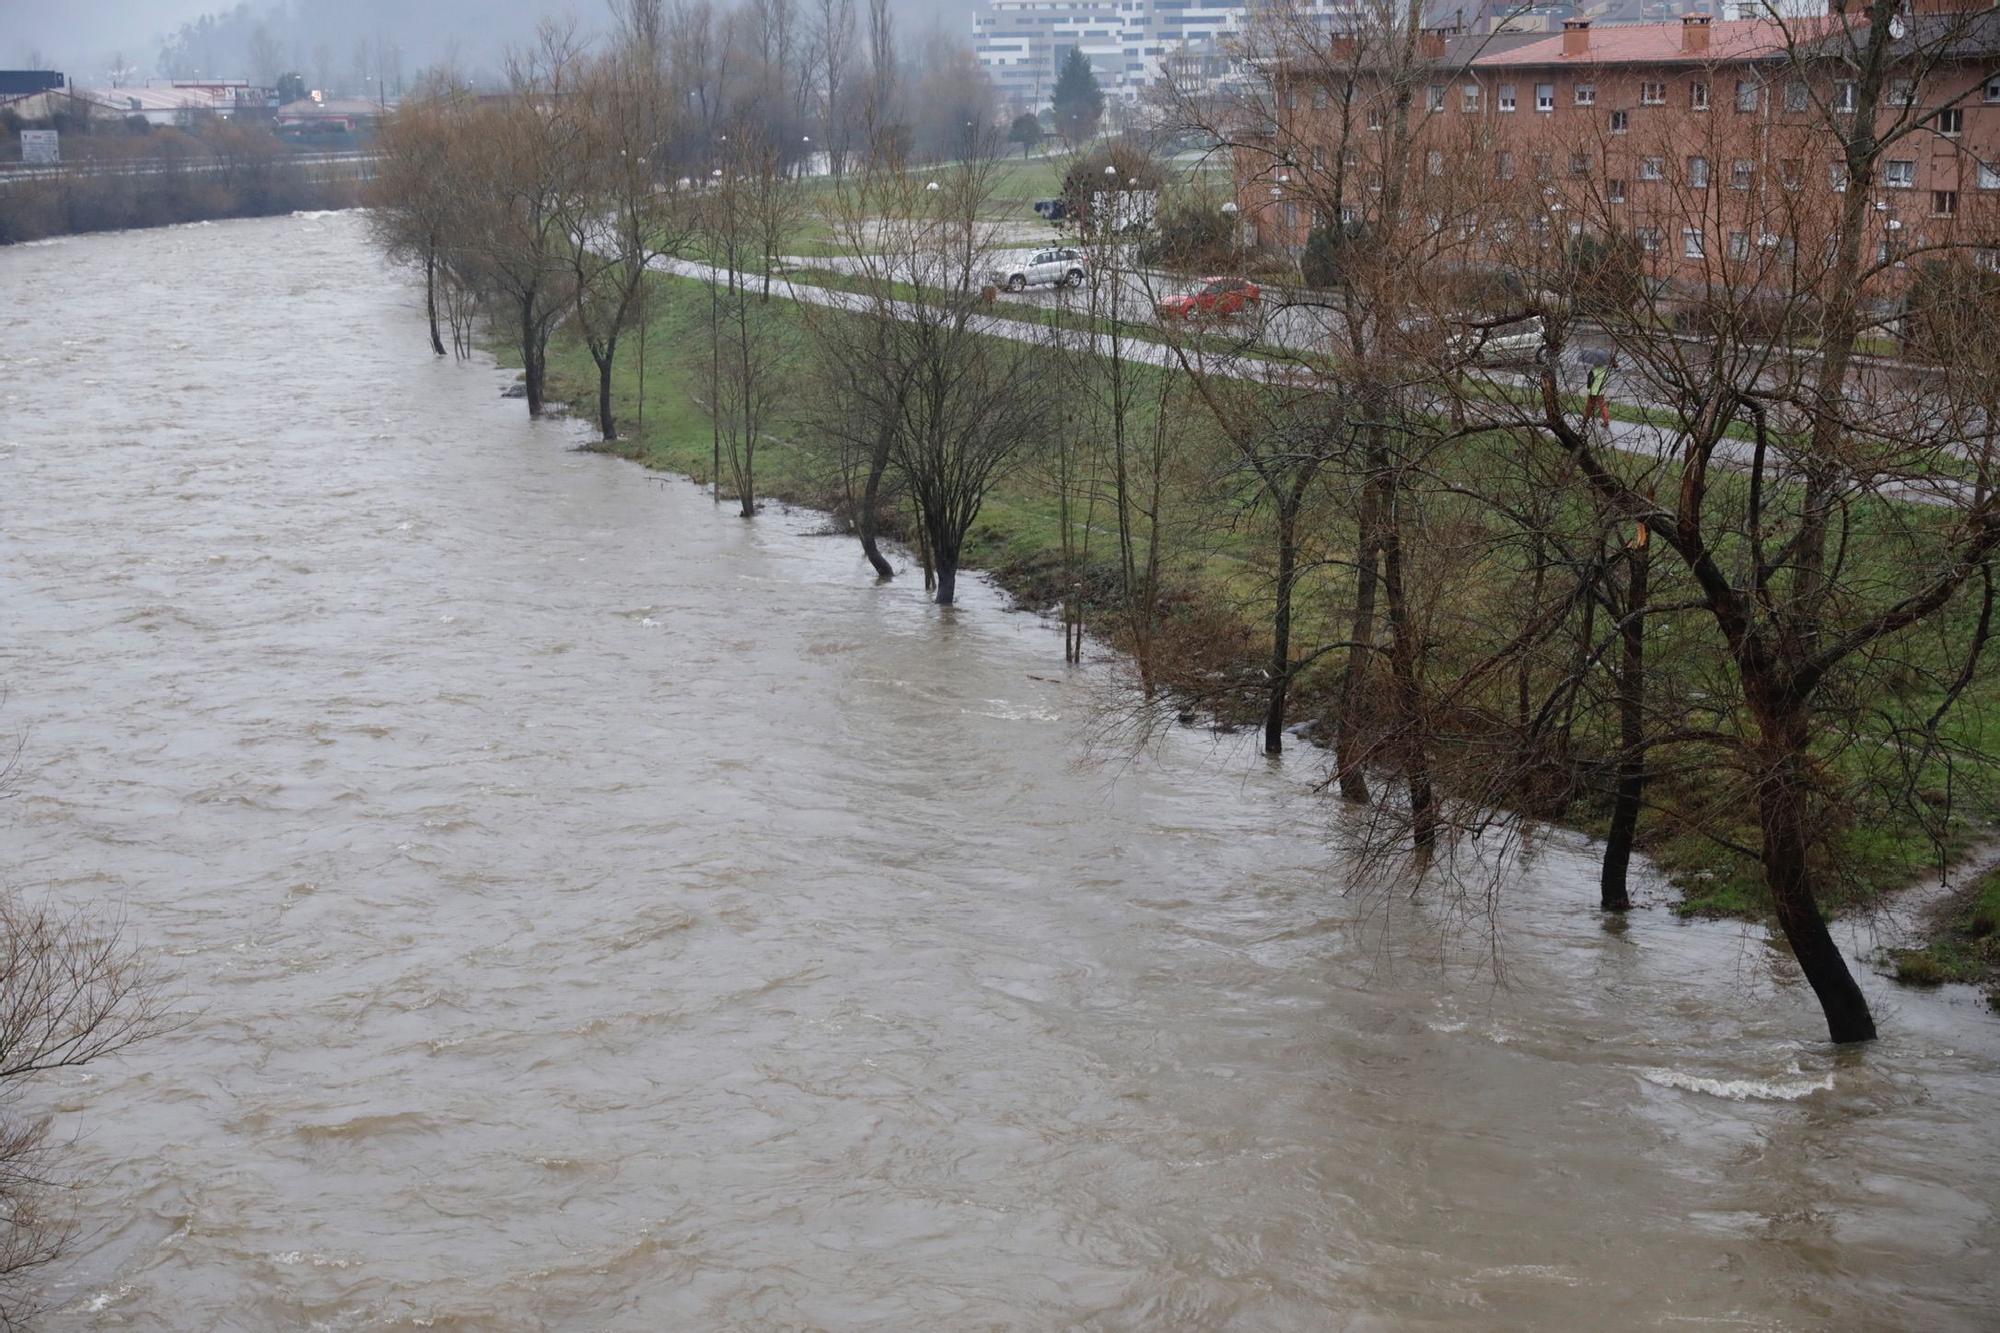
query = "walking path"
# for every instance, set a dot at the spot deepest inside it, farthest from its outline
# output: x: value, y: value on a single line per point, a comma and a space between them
x: 1642, y: 439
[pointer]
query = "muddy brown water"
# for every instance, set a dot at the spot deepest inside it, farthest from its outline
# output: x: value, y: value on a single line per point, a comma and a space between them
x: 596, y: 911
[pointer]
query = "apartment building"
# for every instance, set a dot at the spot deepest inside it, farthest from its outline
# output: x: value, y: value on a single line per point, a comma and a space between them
x: 1130, y: 43
x: 1712, y: 144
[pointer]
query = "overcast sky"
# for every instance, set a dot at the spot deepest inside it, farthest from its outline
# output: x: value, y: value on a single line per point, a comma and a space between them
x: 80, y: 36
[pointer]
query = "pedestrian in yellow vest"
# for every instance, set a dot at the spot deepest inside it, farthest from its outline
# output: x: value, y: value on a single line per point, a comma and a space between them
x: 1598, y: 404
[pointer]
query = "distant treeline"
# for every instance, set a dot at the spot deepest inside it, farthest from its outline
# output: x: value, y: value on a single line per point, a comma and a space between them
x: 165, y: 177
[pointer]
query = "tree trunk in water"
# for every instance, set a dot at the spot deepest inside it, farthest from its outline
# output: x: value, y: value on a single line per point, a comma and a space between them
x: 531, y: 359
x: 1781, y: 816
x: 1612, y: 893
x: 1348, y: 748
x: 1412, y: 745
x: 605, y: 425
x: 866, y: 521
x: 431, y: 299
x: 945, y: 551
x: 749, y: 487
x: 1281, y: 631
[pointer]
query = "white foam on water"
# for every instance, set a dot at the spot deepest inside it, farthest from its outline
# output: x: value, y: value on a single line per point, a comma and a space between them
x: 1741, y: 1089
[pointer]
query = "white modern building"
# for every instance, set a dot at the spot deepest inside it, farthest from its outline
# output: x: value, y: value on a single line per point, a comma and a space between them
x: 1022, y: 43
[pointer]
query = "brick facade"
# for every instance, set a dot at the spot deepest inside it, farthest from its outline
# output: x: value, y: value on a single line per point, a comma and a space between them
x: 1712, y: 144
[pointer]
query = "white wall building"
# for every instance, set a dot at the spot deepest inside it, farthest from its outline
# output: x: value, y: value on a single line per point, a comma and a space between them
x: 1022, y: 43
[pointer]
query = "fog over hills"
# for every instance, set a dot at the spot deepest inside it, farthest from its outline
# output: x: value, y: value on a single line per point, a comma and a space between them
x: 82, y: 37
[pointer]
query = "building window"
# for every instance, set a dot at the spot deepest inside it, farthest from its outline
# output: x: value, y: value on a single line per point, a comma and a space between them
x: 1652, y: 94
x: 1506, y: 96
x: 1652, y: 168
x: 1586, y: 94
x: 1698, y: 95
x: 1746, y: 94
x: 1993, y: 89
x: 1579, y: 164
x: 1434, y: 162
x: 1989, y: 176
x: 1846, y: 102
x: 1649, y: 239
x: 1792, y: 172
x: 1374, y: 117
x: 1545, y: 97
x: 1691, y: 243
x: 1944, y: 203
x: 1698, y: 173
x: 1902, y: 92
x: 1614, y: 190
x: 1739, y: 245
x: 1469, y: 97
x: 1951, y: 122
x: 1319, y: 98
x: 1503, y: 166
x: 1741, y: 172
x: 1620, y: 120
x: 1836, y: 177
x: 1437, y: 97
x: 1795, y: 95
x: 1899, y: 174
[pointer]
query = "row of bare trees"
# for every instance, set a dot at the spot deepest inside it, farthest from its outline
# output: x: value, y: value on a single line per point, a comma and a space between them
x: 1749, y: 618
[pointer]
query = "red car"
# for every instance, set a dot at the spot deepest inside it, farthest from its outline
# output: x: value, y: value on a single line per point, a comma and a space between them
x: 1215, y: 296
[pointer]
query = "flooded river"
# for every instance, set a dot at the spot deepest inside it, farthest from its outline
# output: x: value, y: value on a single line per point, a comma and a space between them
x: 595, y: 911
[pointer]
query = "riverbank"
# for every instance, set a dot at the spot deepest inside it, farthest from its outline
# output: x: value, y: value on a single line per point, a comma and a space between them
x: 1213, y: 593
x: 78, y: 203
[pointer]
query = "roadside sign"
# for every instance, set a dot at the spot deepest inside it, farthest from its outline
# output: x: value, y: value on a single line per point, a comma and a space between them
x: 40, y: 148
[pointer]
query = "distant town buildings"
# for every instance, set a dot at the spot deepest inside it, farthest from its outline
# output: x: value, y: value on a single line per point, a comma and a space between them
x: 1130, y: 43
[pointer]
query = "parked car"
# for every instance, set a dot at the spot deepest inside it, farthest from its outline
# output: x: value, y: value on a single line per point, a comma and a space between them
x: 1520, y: 341
x: 1214, y: 297
x: 1062, y: 267
x: 1055, y: 210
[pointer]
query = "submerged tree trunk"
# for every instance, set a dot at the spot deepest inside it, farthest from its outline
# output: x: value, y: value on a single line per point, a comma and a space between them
x: 1349, y: 749
x: 1413, y: 745
x: 606, y: 426
x: 867, y: 522
x: 1281, y: 629
x: 532, y: 353
x: 1785, y: 725
x: 944, y: 552
x: 1613, y: 895
x: 431, y: 298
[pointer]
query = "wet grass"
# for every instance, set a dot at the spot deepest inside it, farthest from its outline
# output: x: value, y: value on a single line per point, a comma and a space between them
x: 1966, y: 942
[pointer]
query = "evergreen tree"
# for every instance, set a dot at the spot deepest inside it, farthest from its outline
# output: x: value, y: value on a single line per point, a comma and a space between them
x: 1027, y: 132
x: 1078, y: 101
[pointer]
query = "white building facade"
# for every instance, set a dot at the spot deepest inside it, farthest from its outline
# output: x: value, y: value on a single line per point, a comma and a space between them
x: 1022, y: 43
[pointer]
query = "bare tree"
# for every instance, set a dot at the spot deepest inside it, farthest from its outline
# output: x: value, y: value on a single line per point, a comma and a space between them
x: 72, y: 992
x: 619, y: 218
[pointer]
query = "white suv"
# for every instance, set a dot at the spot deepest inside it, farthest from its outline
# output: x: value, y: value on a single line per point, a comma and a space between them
x: 1063, y: 267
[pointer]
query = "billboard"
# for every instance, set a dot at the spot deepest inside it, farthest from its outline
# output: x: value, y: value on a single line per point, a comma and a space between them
x: 40, y: 148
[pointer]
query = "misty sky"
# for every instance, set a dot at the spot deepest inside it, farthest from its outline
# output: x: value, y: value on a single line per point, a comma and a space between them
x: 80, y: 36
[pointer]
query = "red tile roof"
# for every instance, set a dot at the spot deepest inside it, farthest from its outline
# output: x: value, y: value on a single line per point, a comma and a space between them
x: 1664, y: 44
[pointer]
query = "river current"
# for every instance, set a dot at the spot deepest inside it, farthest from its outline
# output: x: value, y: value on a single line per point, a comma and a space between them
x: 594, y: 911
